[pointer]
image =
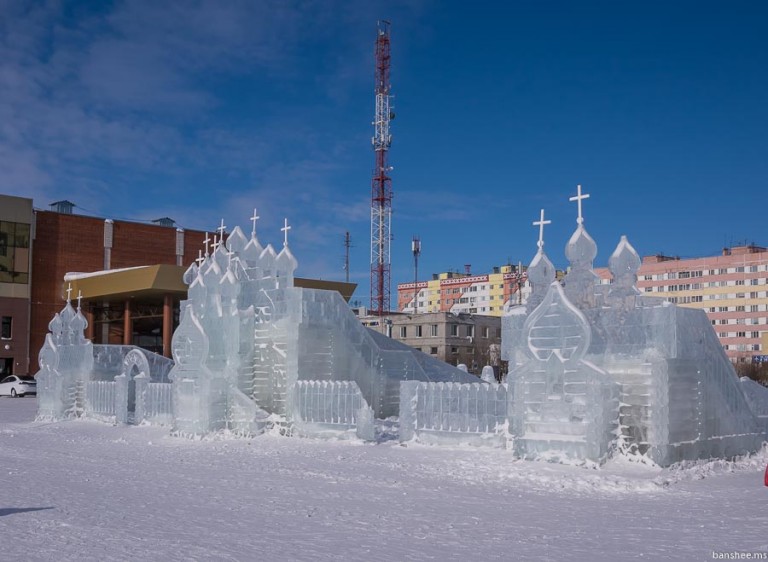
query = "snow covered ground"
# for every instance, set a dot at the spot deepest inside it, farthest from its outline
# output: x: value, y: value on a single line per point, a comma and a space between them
x: 84, y: 490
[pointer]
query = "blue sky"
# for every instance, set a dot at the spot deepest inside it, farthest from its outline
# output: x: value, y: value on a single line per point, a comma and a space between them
x: 203, y: 110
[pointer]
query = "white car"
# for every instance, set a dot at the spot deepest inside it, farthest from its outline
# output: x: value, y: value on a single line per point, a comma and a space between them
x: 16, y: 385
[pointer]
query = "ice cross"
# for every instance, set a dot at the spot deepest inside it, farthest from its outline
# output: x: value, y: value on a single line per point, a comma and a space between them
x: 79, y: 298
x: 199, y: 259
x: 216, y: 243
x: 578, y: 198
x: 222, y: 229
x: 69, y: 292
x: 285, y: 229
x: 254, y: 218
x: 540, y: 223
x: 206, y: 240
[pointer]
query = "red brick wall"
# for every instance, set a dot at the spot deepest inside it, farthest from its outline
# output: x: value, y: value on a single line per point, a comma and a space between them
x: 75, y: 243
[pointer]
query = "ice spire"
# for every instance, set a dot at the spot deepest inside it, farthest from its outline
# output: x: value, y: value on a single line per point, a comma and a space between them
x: 206, y: 241
x: 79, y: 322
x: 221, y: 229
x: 253, y: 249
x: 66, y: 315
x: 624, y: 264
x: 541, y: 272
x: 193, y: 270
x: 581, y: 251
x: 285, y: 263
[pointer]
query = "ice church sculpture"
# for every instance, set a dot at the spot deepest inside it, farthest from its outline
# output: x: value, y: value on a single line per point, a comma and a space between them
x: 251, y: 351
x: 678, y: 395
x: 595, y: 369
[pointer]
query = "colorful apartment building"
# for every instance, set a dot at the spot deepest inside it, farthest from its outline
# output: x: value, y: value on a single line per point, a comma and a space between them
x: 466, y: 293
x: 731, y: 288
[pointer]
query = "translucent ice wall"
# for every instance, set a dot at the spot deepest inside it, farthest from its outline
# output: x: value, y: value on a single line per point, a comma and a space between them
x: 334, y: 346
x: 453, y: 413
x: 110, y: 361
x: 560, y: 406
x: 756, y: 396
x: 332, y: 407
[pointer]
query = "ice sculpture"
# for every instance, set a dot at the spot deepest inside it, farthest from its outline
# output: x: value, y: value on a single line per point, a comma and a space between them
x: 65, y: 359
x: 248, y: 336
x: 679, y: 395
x: 251, y: 351
x: 596, y: 369
x: 561, y: 405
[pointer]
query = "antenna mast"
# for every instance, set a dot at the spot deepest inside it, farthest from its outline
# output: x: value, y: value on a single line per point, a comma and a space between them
x: 347, y: 246
x: 381, y: 187
x: 416, y: 248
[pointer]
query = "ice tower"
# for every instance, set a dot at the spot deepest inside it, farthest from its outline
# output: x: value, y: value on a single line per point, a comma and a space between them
x: 65, y: 359
x: 595, y: 368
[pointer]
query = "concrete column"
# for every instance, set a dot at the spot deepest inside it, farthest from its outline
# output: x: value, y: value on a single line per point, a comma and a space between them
x: 167, y: 324
x: 127, y: 324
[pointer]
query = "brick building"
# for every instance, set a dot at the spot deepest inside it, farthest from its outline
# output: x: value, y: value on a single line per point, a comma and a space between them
x: 64, y: 242
x: 16, y: 219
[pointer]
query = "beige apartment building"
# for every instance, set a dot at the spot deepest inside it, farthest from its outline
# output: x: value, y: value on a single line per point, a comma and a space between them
x: 732, y: 288
x: 471, y: 339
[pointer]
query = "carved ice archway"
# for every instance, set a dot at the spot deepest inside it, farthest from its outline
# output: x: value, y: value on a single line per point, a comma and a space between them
x: 135, y: 363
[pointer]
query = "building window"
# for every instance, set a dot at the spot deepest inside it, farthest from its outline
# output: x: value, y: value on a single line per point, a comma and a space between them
x: 454, y: 350
x: 454, y: 330
x: 403, y: 331
x: 741, y: 334
x: 755, y: 334
x: 433, y: 333
x: 433, y: 350
x: 7, y: 327
x: 14, y: 252
x: 470, y: 331
x: 486, y: 332
x: 418, y: 331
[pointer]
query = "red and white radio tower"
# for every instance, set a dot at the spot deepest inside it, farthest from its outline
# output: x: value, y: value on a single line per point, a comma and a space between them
x: 381, y: 192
